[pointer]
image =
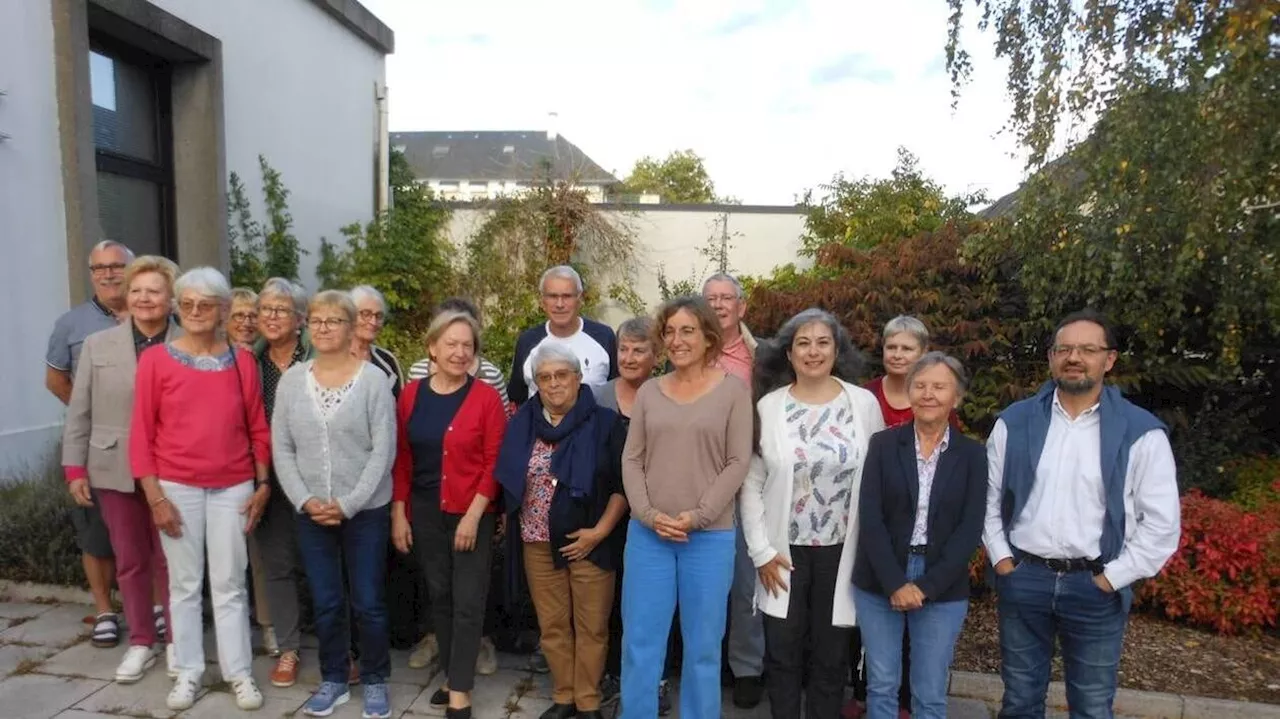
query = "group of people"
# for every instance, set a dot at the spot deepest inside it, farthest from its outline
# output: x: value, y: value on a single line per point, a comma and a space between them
x: 753, y: 486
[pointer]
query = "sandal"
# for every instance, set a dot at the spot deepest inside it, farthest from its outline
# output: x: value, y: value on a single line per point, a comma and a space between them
x: 106, y: 630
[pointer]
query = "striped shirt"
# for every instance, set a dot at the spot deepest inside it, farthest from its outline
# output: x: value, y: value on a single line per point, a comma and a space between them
x: 486, y: 372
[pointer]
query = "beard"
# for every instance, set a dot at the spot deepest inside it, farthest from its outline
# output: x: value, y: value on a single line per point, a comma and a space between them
x: 1076, y: 386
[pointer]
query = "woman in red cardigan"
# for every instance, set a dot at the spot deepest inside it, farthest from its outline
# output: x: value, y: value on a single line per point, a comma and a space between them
x: 449, y: 431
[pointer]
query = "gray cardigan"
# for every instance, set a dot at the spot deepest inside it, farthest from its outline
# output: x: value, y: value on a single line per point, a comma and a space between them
x: 347, y: 458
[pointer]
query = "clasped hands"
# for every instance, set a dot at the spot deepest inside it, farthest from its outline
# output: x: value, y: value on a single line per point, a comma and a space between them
x: 673, y: 529
x: 325, y: 513
x: 907, y: 598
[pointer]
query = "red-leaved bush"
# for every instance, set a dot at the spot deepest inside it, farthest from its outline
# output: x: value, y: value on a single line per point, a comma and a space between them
x: 1226, y: 572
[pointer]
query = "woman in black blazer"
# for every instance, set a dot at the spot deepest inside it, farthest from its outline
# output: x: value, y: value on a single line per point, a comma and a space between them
x: 920, y: 519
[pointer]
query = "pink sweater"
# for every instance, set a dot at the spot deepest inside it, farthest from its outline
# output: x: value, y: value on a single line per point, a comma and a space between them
x: 188, y: 424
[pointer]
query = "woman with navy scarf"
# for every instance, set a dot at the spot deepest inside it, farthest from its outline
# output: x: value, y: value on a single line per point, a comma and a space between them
x: 560, y: 468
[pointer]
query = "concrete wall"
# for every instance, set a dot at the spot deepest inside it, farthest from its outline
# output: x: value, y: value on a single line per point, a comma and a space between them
x: 299, y: 88
x: 669, y: 237
x: 32, y: 230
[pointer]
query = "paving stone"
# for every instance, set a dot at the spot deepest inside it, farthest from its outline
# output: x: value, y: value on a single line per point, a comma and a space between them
x: 86, y: 660
x: 220, y: 705
x: 36, y: 696
x: 77, y: 714
x: 1204, y: 708
x: 489, y: 699
x: 16, y: 610
x: 1148, y: 704
x: 13, y: 656
x: 401, y: 673
x: 531, y: 707
x: 146, y: 698
x: 60, y: 626
x: 968, y: 709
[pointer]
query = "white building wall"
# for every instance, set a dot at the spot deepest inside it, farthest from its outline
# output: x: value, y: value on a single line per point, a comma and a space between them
x: 299, y: 88
x: 32, y: 232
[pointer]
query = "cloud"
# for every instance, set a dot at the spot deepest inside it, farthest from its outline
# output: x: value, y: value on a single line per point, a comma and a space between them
x: 739, y: 22
x: 851, y: 66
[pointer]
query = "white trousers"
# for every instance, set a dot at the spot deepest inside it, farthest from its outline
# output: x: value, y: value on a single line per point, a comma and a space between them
x: 210, y: 518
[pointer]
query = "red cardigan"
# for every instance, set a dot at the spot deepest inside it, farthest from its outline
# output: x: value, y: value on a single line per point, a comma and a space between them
x: 470, y: 449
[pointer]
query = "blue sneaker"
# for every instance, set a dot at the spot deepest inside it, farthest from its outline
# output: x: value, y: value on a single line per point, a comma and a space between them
x: 328, y: 697
x: 377, y: 704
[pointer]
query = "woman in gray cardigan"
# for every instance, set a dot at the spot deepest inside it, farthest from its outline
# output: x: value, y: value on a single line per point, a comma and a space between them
x: 333, y: 439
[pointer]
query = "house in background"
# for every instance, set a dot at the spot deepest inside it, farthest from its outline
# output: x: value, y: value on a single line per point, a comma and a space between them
x: 470, y: 166
x: 122, y: 119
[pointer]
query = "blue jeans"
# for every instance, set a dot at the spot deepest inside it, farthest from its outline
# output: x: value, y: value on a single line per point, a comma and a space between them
x: 1036, y: 605
x: 363, y: 540
x: 697, y: 574
x: 933, y: 627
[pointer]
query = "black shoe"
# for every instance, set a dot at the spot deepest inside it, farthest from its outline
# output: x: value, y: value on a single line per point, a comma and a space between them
x: 664, y: 698
x: 440, y: 698
x: 560, y: 711
x: 463, y: 713
x: 747, y: 692
x: 593, y: 714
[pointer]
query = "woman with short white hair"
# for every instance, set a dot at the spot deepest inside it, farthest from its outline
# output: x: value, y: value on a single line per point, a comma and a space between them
x: 200, y: 448
x: 371, y: 316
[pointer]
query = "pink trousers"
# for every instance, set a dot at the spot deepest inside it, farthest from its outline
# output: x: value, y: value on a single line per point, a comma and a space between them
x: 141, y: 571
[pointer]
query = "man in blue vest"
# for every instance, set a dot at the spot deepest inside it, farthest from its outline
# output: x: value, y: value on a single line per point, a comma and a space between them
x: 1082, y: 501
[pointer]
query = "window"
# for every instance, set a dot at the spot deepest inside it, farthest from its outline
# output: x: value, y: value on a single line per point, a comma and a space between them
x: 132, y: 138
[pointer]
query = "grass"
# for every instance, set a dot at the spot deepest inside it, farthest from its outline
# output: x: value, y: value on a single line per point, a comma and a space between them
x: 26, y: 666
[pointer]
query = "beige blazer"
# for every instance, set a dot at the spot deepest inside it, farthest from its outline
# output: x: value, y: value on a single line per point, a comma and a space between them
x: 96, y: 434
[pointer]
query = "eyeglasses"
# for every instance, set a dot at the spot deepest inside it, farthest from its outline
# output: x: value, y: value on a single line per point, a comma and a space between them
x: 721, y: 299
x: 327, y: 323
x: 560, y: 376
x: 244, y: 317
x: 112, y: 268
x: 187, y: 307
x: 1086, y: 351
x: 275, y: 311
x: 560, y: 297
x: 371, y: 316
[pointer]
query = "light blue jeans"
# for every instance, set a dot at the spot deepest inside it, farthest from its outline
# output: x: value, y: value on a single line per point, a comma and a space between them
x: 658, y: 575
x: 934, y: 630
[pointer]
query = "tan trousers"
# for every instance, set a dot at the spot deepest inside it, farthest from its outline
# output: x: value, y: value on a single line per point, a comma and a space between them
x: 573, y: 606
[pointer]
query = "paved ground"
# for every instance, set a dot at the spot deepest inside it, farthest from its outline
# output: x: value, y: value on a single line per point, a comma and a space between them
x: 50, y: 670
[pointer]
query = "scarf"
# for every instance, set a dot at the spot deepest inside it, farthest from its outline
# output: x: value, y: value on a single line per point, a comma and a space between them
x: 576, y: 438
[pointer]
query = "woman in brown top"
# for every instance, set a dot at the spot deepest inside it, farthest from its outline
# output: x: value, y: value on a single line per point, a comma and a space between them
x: 686, y: 456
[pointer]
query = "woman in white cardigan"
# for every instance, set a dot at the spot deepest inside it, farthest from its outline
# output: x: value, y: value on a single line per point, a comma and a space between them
x: 799, y: 507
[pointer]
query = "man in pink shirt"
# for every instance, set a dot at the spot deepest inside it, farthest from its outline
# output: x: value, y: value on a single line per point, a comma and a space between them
x: 746, y: 629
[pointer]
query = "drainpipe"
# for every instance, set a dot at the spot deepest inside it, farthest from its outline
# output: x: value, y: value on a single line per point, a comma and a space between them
x: 382, y: 192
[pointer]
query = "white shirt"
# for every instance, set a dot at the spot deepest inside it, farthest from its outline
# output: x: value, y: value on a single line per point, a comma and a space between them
x: 1065, y: 512
x: 593, y: 357
x: 926, y: 468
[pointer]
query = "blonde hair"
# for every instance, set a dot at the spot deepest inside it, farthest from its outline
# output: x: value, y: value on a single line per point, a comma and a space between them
x: 162, y: 266
x: 244, y: 294
x: 444, y: 320
x: 334, y: 298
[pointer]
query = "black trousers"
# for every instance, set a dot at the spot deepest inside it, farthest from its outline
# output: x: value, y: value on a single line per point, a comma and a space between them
x: 458, y: 584
x: 807, y: 630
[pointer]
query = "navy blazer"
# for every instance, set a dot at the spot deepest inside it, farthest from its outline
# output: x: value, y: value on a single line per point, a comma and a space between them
x: 887, y: 512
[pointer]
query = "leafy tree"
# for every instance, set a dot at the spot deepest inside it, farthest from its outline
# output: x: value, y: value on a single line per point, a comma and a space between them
x: 681, y: 178
x: 865, y: 212
x: 259, y: 252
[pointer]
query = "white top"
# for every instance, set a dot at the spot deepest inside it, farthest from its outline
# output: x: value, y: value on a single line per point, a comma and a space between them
x: 328, y: 399
x: 766, y: 498
x: 593, y: 357
x: 1064, y: 514
x: 926, y: 467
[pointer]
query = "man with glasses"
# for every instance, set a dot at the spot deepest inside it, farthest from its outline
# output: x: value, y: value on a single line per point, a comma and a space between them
x: 593, y: 343
x: 745, y: 650
x: 106, y: 309
x: 1082, y: 502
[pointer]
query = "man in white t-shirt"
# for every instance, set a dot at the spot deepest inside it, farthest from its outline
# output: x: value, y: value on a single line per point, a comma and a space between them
x: 593, y: 343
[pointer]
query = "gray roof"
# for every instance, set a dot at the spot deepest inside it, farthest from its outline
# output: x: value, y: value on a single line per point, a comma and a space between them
x: 504, y: 156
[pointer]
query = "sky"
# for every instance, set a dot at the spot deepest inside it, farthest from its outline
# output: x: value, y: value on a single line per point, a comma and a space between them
x: 776, y: 96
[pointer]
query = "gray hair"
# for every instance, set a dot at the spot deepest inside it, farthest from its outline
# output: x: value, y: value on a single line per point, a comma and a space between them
x: 726, y: 277
x: 909, y: 325
x: 636, y: 329
x: 368, y: 292
x: 112, y: 244
x: 931, y: 359
x: 554, y: 352
x: 560, y: 272
x: 206, y: 282
x: 294, y: 292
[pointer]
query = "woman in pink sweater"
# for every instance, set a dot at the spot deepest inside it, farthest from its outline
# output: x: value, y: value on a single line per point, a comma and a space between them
x: 199, y: 447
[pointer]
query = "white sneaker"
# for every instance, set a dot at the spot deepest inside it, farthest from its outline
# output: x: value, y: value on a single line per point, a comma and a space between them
x: 184, y: 691
x: 137, y: 660
x: 248, y: 698
x: 171, y: 661
x: 487, y: 659
x: 269, y: 641
x: 425, y: 653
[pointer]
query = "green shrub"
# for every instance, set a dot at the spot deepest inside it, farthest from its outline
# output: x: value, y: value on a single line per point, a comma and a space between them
x: 37, y: 541
x: 1257, y: 481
